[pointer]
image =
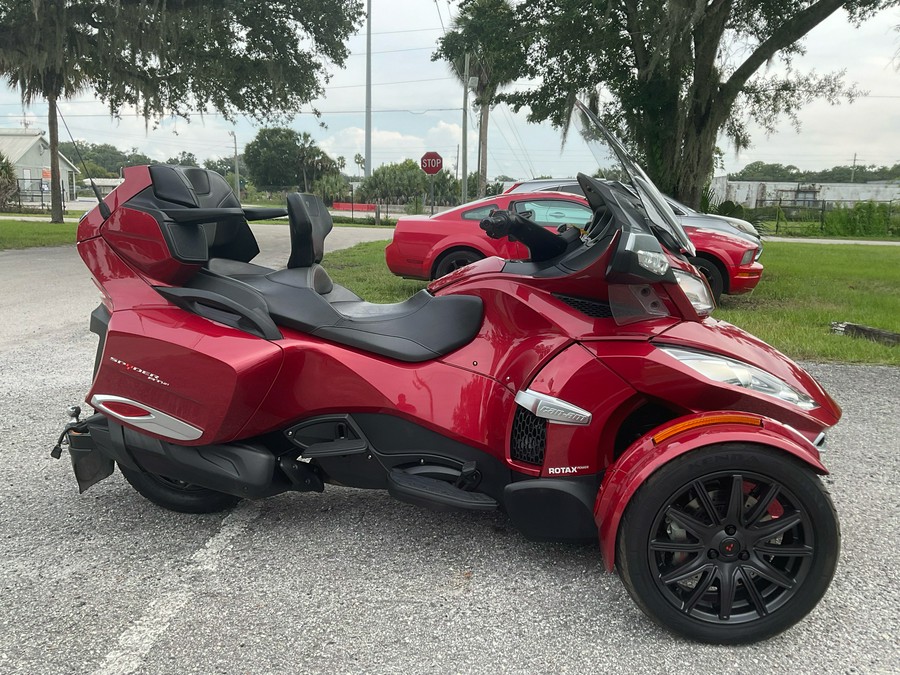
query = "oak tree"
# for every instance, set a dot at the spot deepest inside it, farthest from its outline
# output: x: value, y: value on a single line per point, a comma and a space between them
x: 262, y: 58
x: 672, y: 76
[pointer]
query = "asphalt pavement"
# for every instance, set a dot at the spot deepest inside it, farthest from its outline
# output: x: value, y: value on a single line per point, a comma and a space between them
x: 353, y: 581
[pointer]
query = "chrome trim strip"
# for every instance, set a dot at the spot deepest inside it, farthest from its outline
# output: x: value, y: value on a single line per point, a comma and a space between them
x: 820, y: 442
x: 553, y: 409
x: 156, y: 422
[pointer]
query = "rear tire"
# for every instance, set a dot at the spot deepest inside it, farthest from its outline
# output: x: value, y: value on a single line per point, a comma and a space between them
x: 729, y: 544
x: 177, y: 495
x: 453, y: 260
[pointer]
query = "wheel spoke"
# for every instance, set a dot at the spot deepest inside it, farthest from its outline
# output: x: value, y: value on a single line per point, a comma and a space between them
x: 762, y: 506
x: 689, y: 569
x: 667, y: 545
x: 708, y: 506
x: 699, y: 591
x: 726, y: 592
x: 772, y: 528
x: 736, y: 500
x: 691, y: 524
x: 767, y: 571
x: 758, y: 603
x: 790, y: 551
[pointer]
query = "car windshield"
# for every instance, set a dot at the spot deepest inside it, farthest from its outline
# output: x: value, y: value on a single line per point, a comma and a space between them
x: 615, y: 163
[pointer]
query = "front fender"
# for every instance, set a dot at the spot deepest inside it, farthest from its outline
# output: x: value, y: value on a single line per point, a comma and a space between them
x: 676, y: 438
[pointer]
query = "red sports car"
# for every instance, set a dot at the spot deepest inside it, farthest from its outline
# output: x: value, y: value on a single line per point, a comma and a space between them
x: 430, y: 247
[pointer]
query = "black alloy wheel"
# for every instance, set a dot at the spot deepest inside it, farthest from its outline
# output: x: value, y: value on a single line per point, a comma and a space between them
x: 177, y: 495
x: 452, y: 261
x: 729, y: 544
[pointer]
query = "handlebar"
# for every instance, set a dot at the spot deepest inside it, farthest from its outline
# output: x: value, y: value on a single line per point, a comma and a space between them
x: 541, y: 243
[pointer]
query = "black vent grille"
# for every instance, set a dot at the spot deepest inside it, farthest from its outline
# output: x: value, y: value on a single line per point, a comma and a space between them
x: 593, y: 308
x: 529, y: 437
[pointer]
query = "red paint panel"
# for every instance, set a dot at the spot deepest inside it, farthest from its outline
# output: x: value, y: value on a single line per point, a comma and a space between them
x: 320, y: 378
x: 137, y: 178
x: 660, y: 376
x: 208, y: 375
x: 137, y: 237
x: 577, y: 377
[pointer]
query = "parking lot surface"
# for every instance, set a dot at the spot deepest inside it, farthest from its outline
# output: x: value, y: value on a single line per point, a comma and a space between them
x: 353, y: 581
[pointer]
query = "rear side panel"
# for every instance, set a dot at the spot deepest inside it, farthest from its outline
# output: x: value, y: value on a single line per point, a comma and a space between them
x: 321, y: 378
x: 197, y: 372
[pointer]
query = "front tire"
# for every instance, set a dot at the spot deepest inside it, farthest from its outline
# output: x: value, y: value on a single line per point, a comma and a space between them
x: 177, y: 495
x: 729, y: 544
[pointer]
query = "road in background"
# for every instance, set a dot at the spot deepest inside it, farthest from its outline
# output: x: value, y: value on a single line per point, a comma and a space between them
x: 351, y: 580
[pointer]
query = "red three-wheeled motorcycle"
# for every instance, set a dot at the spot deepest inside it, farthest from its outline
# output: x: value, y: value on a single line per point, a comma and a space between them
x: 586, y: 392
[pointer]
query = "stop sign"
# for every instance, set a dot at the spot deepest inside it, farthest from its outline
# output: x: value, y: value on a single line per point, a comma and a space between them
x: 431, y: 163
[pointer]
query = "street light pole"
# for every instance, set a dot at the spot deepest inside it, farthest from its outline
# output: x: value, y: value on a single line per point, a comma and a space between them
x: 464, y: 186
x: 237, y: 171
x: 368, y: 165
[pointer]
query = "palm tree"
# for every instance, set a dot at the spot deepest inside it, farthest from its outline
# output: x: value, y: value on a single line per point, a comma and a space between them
x: 483, y: 29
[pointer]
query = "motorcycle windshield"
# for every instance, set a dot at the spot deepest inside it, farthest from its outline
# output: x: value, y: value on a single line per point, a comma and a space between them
x: 615, y: 163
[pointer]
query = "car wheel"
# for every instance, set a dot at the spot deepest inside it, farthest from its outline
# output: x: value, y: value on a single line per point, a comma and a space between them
x: 177, y: 495
x: 729, y: 544
x: 453, y: 260
x: 713, y: 275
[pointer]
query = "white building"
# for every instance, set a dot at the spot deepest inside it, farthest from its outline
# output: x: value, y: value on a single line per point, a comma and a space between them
x: 29, y: 152
x: 755, y: 193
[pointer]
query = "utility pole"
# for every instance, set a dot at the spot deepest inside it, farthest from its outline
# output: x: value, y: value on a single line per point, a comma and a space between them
x: 853, y: 170
x: 464, y: 188
x: 237, y: 170
x: 368, y: 169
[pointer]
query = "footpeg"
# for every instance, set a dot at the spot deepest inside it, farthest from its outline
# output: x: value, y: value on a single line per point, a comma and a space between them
x: 302, y: 477
x: 436, y: 494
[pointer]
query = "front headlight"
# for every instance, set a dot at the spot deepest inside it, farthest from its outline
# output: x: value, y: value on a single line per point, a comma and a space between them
x: 696, y: 291
x: 728, y: 371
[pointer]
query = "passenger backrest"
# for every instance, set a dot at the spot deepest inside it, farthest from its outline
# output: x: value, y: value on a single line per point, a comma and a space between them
x: 229, y: 237
x: 310, y: 223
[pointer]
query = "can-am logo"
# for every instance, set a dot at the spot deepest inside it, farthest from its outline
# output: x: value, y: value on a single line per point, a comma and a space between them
x: 561, y: 414
x: 153, y: 377
x: 562, y: 470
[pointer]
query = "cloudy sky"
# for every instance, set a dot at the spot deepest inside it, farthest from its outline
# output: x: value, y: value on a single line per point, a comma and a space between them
x: 417, y: 107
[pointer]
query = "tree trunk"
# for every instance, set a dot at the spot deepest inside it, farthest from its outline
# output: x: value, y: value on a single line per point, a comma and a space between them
x: 56, y: 207
x: 482, y: 148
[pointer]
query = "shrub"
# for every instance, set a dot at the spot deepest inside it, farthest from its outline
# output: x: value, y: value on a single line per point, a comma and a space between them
x: 8, y: 184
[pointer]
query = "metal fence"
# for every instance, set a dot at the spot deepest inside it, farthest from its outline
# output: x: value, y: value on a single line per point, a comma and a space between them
x: 33, y: 193
x: 831, y: 217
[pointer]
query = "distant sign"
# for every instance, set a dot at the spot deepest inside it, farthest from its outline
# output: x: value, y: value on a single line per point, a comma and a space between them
x: 431, y: 163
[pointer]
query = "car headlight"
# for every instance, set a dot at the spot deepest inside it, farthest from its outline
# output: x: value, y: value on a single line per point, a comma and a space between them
x: 696, y: 291
x: 744, y: 226
x: 728, y: 371
x: 749, y: 256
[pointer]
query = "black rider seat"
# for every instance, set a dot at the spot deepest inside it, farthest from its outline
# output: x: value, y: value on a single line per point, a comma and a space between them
x: 304, y: 297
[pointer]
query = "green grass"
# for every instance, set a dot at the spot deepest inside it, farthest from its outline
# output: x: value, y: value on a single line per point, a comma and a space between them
x: 813, y: 229
x: 362, y: 269
x: 807, y: 286
x: 26, y: 234
x: 803, y: 289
